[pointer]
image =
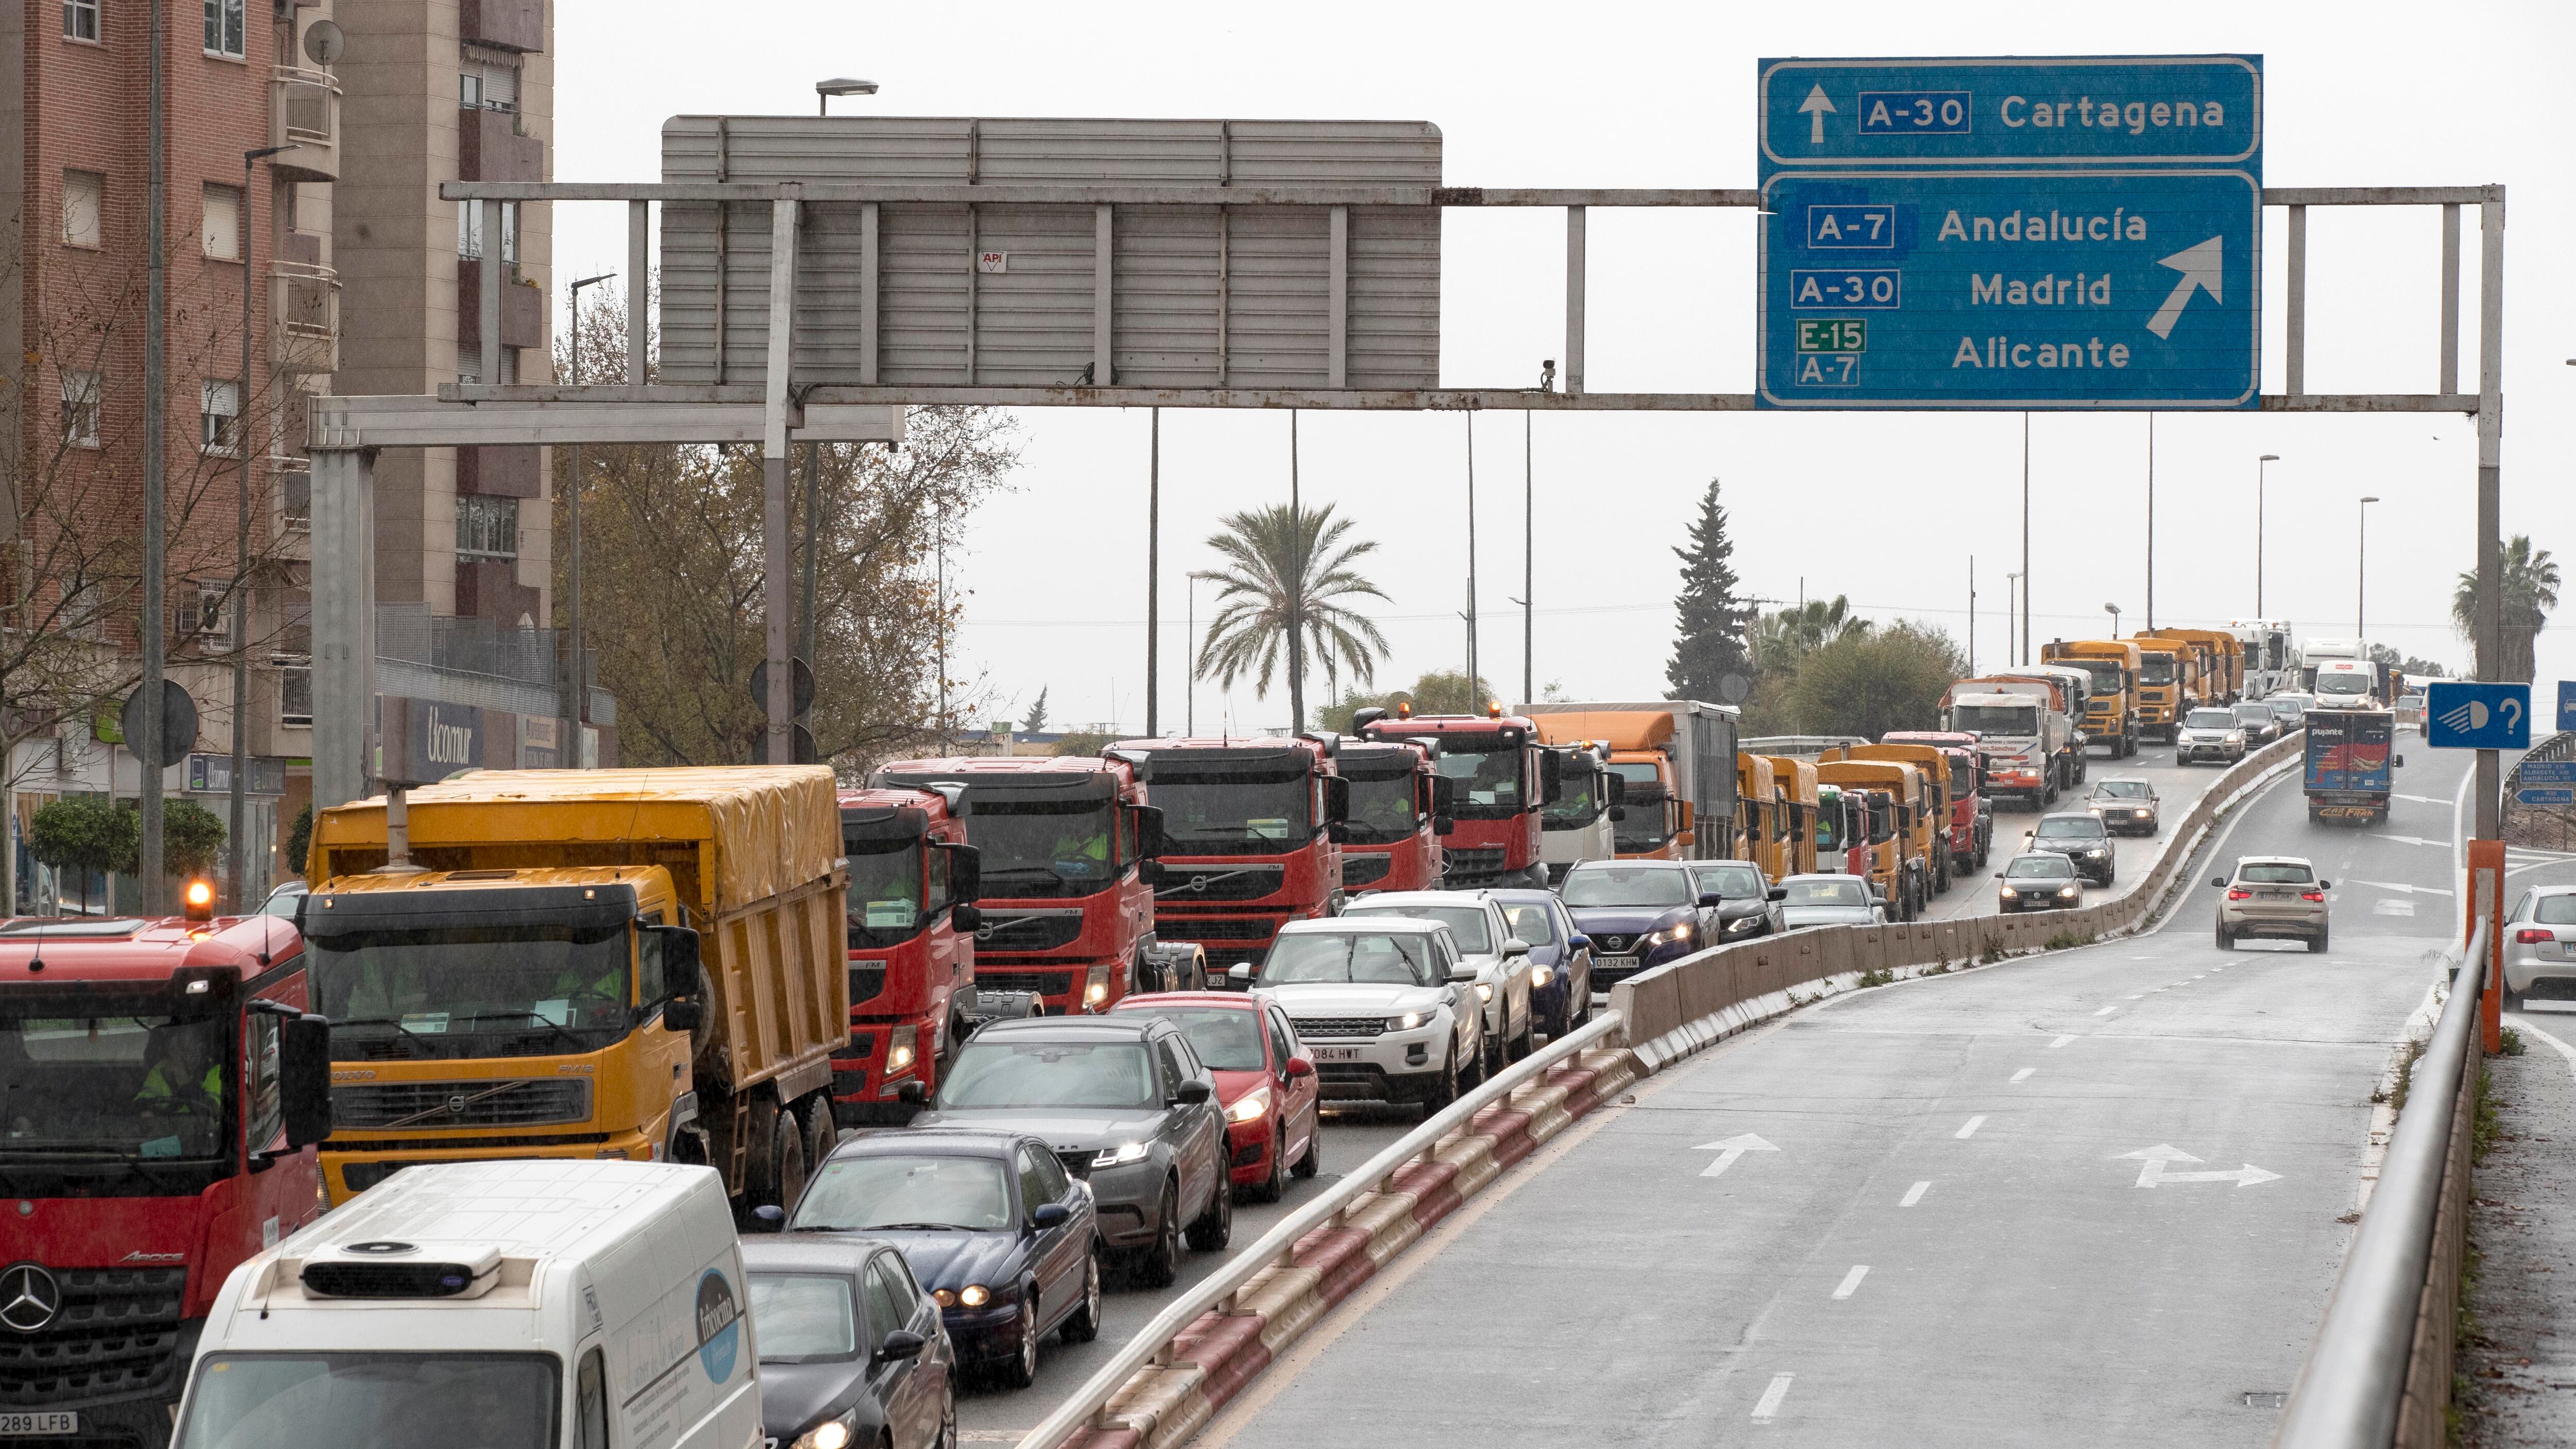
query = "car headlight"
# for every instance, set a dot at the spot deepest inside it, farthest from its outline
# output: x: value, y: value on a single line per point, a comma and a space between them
x: 1670, y: 934
x: 2097, y: 852
x: 943, y: 1297
x: 2141, y: 814
x: 2069, y: 890
x: 904, y: 1043
x: 2011, y: 894
x: 1540, y: 975
x: 1484, y: 991
x: 1406, y: 1022
x: 1743, y: 923
x: 1121, y: 1155
x: 1252, y: 1106
x: 974, y: 1295
x: 830, y: 1434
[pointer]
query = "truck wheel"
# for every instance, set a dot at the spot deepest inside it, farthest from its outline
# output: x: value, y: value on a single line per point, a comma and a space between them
x: 821, y: 1135
x: 783, y: 1164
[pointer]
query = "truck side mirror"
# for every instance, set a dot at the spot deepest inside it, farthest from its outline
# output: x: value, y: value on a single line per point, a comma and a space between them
x: 1443, y: 825
x: 1337, y: 800
x: 2397, y: 762
x: 1149, y: 831
x: 965, y: 918
x: 965, y: 872
x: 1618, y: 813
x: 681, y: 975
x: 683, y: 1015
x: 1337, y: 832
x: 1551, y: 776
x: 1444, y: 795
x: 1618, y: 789
x: 304, y: 1078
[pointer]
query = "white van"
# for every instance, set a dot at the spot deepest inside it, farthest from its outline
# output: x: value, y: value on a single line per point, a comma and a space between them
x: 2346, y: 684
x: 534, y: 1304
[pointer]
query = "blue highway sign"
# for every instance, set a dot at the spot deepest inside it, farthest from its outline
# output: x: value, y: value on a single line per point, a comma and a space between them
x: 2546, y: 797
x: 2548, y: 772
x: 2059, y: 288
x: 2463, y: 716
x: 2567, y: 704
x: 2190, y: 110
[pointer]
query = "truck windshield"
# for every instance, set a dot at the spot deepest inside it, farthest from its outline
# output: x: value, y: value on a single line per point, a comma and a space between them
x: 1382, y: 809
x: 382, y: 1400
x: 1996, y: 719
x: 1488, y: 771
x: 885, y: 891
x: 141, y: 1085
x: 2155, y: 669
x: 473, y: 991
x: 2105, y: 672
x: 1578, y: 799
x: 1040, y: 848
x: 1215, y: 811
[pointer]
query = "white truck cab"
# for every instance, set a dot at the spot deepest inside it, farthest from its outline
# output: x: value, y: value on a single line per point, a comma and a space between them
x: 542, y: 1303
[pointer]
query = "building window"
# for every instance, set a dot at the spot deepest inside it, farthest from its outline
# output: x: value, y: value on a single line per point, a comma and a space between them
x: 84, y: 202
x: 483, y: 85
x: 469, y: 365
x: 223, y: 228
x: 80, y: 19
x: 469, y: 230
x: 219, y: 417
x: 84, y: 610
x: 80, y: 409
x: 487, y: 527
x: 224, y: 28
x: 212, y: 618
x: 295, y: 694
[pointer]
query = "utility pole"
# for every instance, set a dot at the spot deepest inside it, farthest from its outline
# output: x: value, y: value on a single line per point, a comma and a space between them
x: 1154, y: 574
x: 1472, y: 675
x: 1296, y: 589
x: 1529, y: 562
x: 577, y: 694
x: 2361, y: 576
x: 2151, y: 522
x: 2025, y: 539
x: 1972, y: 616
x: 2258, y: 531
x: 156, y: 408
x: 236, y: 898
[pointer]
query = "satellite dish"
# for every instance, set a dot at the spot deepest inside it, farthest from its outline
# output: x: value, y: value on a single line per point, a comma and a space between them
x: 1733, y: 689
x: 324, y: 43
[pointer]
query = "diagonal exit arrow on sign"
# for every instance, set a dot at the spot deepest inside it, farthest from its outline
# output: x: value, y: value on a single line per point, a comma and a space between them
x: 2153, y: 1174
x: 2200, y: 268
x: 1729, y: 1150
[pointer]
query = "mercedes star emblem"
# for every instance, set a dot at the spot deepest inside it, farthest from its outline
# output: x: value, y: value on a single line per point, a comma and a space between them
x: 29, y: 1297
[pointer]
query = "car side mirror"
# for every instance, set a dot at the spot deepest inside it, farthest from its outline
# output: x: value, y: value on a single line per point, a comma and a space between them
x: 683, y: 1014
x: 1239, y: 971
x: 1050, y: 1215
x: 2325, y: 885
x: 1578, y: 942
x: 2397, y: 762
x: 966, y: 918
x: 304, y: 1078
x: 1462, y: 973
x: 1711, y: 898
x: 1298, y: 1069
x: 1776, y: 893
x: 2030, y: 835
x: 2218, y: 880
x: 1515, y: 946
x: 1192, y: 1092
x: 1443, y: 825
x: 770, y: 1217
x: 901, y: 1344
x: 1999, y: 875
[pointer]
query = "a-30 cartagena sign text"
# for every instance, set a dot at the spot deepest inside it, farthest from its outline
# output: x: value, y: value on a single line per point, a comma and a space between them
x: 2134, y: 110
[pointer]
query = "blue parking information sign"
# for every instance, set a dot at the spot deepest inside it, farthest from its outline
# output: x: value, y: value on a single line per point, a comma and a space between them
x: 2081, y: 233
x: 2464, y: 716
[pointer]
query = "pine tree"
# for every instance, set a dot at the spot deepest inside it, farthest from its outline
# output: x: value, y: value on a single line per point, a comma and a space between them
x: 1036, y: 721
x: 1710, y: 644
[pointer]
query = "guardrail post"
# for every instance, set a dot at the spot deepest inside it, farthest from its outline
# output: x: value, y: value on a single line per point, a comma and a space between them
x: 2486, y: 904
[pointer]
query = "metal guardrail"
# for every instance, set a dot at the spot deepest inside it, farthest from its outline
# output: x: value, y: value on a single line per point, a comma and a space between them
x: 2349, y: 1390
x: 2560, y: 746
x: 1275, y: 1246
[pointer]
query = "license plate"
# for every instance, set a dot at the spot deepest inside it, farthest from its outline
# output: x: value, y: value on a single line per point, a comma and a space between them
x: 1334, y: 1054
x: 49, y: 1422
x: 1614, y: 963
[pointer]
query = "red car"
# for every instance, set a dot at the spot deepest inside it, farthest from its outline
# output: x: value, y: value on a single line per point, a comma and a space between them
x: 1264, y: 1081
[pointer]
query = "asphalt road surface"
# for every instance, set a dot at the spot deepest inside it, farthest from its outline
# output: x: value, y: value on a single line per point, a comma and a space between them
x: 2091, y: 1197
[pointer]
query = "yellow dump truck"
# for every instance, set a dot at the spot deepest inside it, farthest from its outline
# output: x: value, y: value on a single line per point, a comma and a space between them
x: 637, y: 964
x: 2222, y: 662
x: 2111, y: 715
x: 1796, y: 781
x: 1901, y: 863
x: 1932, y: 813
x: 1761, y: 830
x: 2168, y: 684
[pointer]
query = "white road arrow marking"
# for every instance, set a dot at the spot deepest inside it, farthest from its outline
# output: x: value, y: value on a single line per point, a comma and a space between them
x: 1729, y: 1150
x: 2425, y: 799
x: 2199, y: 268
x: 1815, y: 108
x: 2154, y: 1174
x: 2403, y: 889
x: 2416, y: 840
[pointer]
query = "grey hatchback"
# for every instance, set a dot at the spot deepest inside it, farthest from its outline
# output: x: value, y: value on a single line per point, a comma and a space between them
x: 1125, y: 1104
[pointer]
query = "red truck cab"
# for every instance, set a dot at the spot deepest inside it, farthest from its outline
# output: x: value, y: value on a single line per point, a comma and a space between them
x: 1503, y: 778
x: 1971, y: 833
x: 1064, y: 846
x: 1252, y: 832
x: 913, y: 882
x: 1398, y: 816
x: 162, y: 1089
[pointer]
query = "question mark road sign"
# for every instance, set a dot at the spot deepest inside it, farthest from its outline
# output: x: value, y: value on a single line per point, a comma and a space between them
x: 2464, y: 716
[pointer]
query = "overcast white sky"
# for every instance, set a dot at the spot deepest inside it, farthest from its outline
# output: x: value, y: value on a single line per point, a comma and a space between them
x: 1887, y: 508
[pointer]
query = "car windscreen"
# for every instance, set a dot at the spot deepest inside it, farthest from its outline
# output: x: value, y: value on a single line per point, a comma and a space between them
x: 1612, y: 885
x: 803, y: 1317
x: 2555, y: 910
x: 1466, y: 923
x: 384, y: 1400
x: 1227, y: 1038
x: 1845, y: 892
x: 1050, y: 1074
x: 1338, y: 958
x: 2211, y: 719
x: 2274, y: 875
x: 1531, y: 923
x: 2066, y: 827
x: 2254, y: 713
x: 853, y: 1194
x: 2039, y: 867
x: 2287, y: 708
x: 1735, y: 882
x: 2125, y: 789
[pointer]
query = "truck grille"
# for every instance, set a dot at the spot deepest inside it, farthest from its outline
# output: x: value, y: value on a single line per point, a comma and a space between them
x: 1215, y: 928
x: 867, y: 979
x: 115, y: 1336
x: 1340, y: 1028
x: 1037, y: 931
x: 1044, y: 983
x: 1359, y: 868
x: 1473, y: 861
x: 528, y: 1102
x: 1184, y: 883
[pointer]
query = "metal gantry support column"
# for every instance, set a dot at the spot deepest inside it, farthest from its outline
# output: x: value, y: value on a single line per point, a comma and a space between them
x: 1574, y: 240
x: 2490, y: 650
x: 775, y: 567
x: 344, y: 624
x: 639, y: 291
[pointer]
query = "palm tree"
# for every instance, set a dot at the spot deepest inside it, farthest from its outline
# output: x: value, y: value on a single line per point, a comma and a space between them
x: 1784, y: 636
x: 1271, y: 563
x: 2530, y: 591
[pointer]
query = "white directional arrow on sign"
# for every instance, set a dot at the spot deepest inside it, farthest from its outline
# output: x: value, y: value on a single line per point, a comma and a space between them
x: 1729, y: 1150
x: 2154, y: 1174
x: 1815, y: 108
x: 2199, y: 267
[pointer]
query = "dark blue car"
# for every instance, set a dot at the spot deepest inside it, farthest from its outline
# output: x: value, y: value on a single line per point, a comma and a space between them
x: 1639, y: 914
x: 1561, y: 999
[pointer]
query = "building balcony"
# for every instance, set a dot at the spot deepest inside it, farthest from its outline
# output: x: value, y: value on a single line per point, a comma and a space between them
x: 490, y: 148
x: 523, y: 308
x: 502, y: 24
x: 304, y: 317
x: 507, y: 471
x: 304, y: 112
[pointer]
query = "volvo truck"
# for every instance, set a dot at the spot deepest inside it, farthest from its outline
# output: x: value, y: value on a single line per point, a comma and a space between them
x: 912, y: 923
x: 1399, y: 817
x: 1502, y: 777
x: 1252, y: 837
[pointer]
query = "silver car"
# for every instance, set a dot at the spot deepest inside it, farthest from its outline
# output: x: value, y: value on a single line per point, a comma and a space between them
x: 1485, y: 940
x: 2540, y: 947
x: 2272, y: 895
x: 1830, y: 900
x: 2209, y: 734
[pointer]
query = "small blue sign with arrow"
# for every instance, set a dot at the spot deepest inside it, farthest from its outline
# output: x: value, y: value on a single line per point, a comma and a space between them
x: 2567, y: 704
x: 2465, y: 716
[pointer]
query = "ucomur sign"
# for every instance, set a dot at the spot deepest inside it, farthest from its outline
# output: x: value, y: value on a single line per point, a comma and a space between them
x: 423, y: 741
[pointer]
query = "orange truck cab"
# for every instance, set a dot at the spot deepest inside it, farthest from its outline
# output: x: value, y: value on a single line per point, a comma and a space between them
x: 2168, y: 685
x: 1252, y: 831
x: 2113, y: 714
x: 1795, y: 779
x: 1065, y: 844
x: 1755, y: 824
x: 1971, y: 826
x: 1900, y: 861
x: 913, y: 883
x: 2221, y: 661
x: 1398, y: 817
x: 1934, y: 809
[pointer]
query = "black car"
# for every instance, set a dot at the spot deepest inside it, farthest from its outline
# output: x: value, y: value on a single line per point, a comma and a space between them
x: 2081, y: 838
x: 990, y: 1222
x: 1748, y: 903
x: 1126, y: 1105
x: 851, y: 1351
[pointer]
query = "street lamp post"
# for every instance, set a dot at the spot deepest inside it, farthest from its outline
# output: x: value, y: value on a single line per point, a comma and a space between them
x: 2258, y: 531
x: 2114, y: 611
x: 577, y: 697
x: 2012, y: 592
x: 236, y: 862
x: 1190, y: 710
x: 824, y: 90
x: 2361, y: 571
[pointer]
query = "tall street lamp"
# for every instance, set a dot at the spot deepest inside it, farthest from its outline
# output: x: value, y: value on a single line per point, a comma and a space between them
x: 236, y: 865
x: 2258, y: 531
x: 2012, y: 593
x: 2361, y: 571
x: 568, y: 749
x: 824, y: 90
x: 2114, y: 611
x: 1190, y: 708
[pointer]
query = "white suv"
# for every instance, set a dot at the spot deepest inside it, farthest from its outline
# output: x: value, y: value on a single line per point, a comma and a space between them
x: 1485, y: 939
x: 1383, y: 1005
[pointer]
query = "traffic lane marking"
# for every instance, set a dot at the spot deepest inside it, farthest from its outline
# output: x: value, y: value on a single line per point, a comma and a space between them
x: 2024, y: 1074
x: 1914, y: 1194
x: 2061, y: 1041
x: 1971, y: 1129
x: 1769, y: 1404
x: 1851, y: 1281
